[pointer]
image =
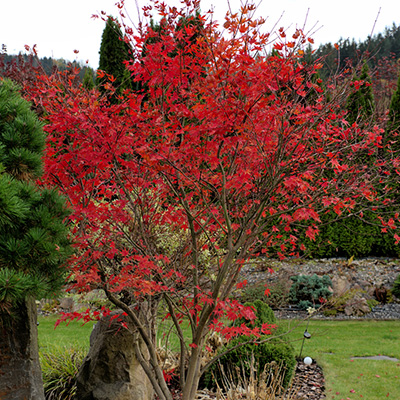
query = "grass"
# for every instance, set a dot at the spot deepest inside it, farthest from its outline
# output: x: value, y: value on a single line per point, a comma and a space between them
x: 61, y: 352
x: 333, y: 345
x: 73, y: 335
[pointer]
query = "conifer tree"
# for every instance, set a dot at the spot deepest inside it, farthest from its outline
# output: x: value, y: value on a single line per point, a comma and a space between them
x: 88, y: 81
x: 393, y: 125
x: 113, y: 52
x: 360, y: 103
x: 33, y: 243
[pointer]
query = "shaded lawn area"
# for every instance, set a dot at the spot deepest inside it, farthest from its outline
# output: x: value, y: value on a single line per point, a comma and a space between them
x: 73, y: 335
x: 333, y: 345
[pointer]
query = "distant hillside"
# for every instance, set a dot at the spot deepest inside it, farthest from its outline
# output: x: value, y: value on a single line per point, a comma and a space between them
x: 46, y: 63
x: 373, y: 49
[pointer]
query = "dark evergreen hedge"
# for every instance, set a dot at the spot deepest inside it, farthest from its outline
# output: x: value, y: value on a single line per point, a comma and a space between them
x: 276, y: 349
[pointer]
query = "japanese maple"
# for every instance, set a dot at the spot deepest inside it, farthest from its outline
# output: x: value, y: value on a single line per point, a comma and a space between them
x: 219, y: 158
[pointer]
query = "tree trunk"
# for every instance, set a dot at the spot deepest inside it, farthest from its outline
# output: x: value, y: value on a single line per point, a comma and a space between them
x: 20, y: 373
x: 193, y: 375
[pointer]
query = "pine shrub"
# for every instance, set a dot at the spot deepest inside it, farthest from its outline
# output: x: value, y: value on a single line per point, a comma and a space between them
x: 34, y: 243
x: 310, y: 291
x: 264, y: 314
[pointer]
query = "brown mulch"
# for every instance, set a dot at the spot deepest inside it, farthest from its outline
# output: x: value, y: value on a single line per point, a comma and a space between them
x: 309, y: 381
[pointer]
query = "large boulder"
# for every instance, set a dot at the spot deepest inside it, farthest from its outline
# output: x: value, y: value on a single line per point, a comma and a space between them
x: 340, y: 285
x: 357, y: 306
x: 111, y: 370
x: 20, y: 373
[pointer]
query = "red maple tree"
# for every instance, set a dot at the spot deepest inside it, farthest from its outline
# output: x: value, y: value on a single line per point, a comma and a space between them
x: 226, y: 151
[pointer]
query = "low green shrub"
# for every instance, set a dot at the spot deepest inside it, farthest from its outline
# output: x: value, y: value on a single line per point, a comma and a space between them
x: 330, y: 312
x: 372, y: 303
x: 60, y: 366
x: 396, y: 287
x: 273, y: 350
x: 309, y: 291
x: 253, y: 293
x: 338, y: 303
x: 278, y: 294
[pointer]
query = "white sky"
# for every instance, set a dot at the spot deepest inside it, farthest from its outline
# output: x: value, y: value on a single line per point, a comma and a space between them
x: 60, y: 27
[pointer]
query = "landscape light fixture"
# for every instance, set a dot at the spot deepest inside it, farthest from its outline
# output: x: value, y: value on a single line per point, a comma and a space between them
x: 306, y: 335
x: 307, y: 360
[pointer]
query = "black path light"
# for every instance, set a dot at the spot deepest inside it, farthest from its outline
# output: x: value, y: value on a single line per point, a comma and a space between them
x: 307, y: 335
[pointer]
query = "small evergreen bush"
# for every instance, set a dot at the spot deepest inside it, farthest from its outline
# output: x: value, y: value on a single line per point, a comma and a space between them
x: 274, y: 350
x: 310, y: 291
x: 278, y: 296
x: 396, y: 287
x: 330, y: 312
x: 264, y: 314
x: 253, y: 293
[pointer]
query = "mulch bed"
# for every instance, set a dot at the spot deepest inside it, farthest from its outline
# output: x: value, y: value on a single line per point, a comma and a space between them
x: 309, y: 381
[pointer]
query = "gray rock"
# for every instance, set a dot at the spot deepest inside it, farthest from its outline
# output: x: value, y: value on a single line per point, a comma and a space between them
x: 111, y: 370
x: 340, y: 285
x: 378, y: 358
x: 67, y: 304
x: 357, y: 306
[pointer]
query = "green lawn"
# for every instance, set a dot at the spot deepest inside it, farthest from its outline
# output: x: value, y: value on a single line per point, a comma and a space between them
x: 332, y: 345
x: 75, y: 334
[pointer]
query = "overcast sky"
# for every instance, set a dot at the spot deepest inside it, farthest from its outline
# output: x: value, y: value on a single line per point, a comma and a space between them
x: 60, y: 27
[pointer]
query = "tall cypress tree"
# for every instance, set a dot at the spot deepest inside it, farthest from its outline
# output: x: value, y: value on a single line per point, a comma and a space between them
x: 88, y: 81
x: 33, y: 244
x: 392, y: 131
x: 113, y: 52
x: 360, y: 103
